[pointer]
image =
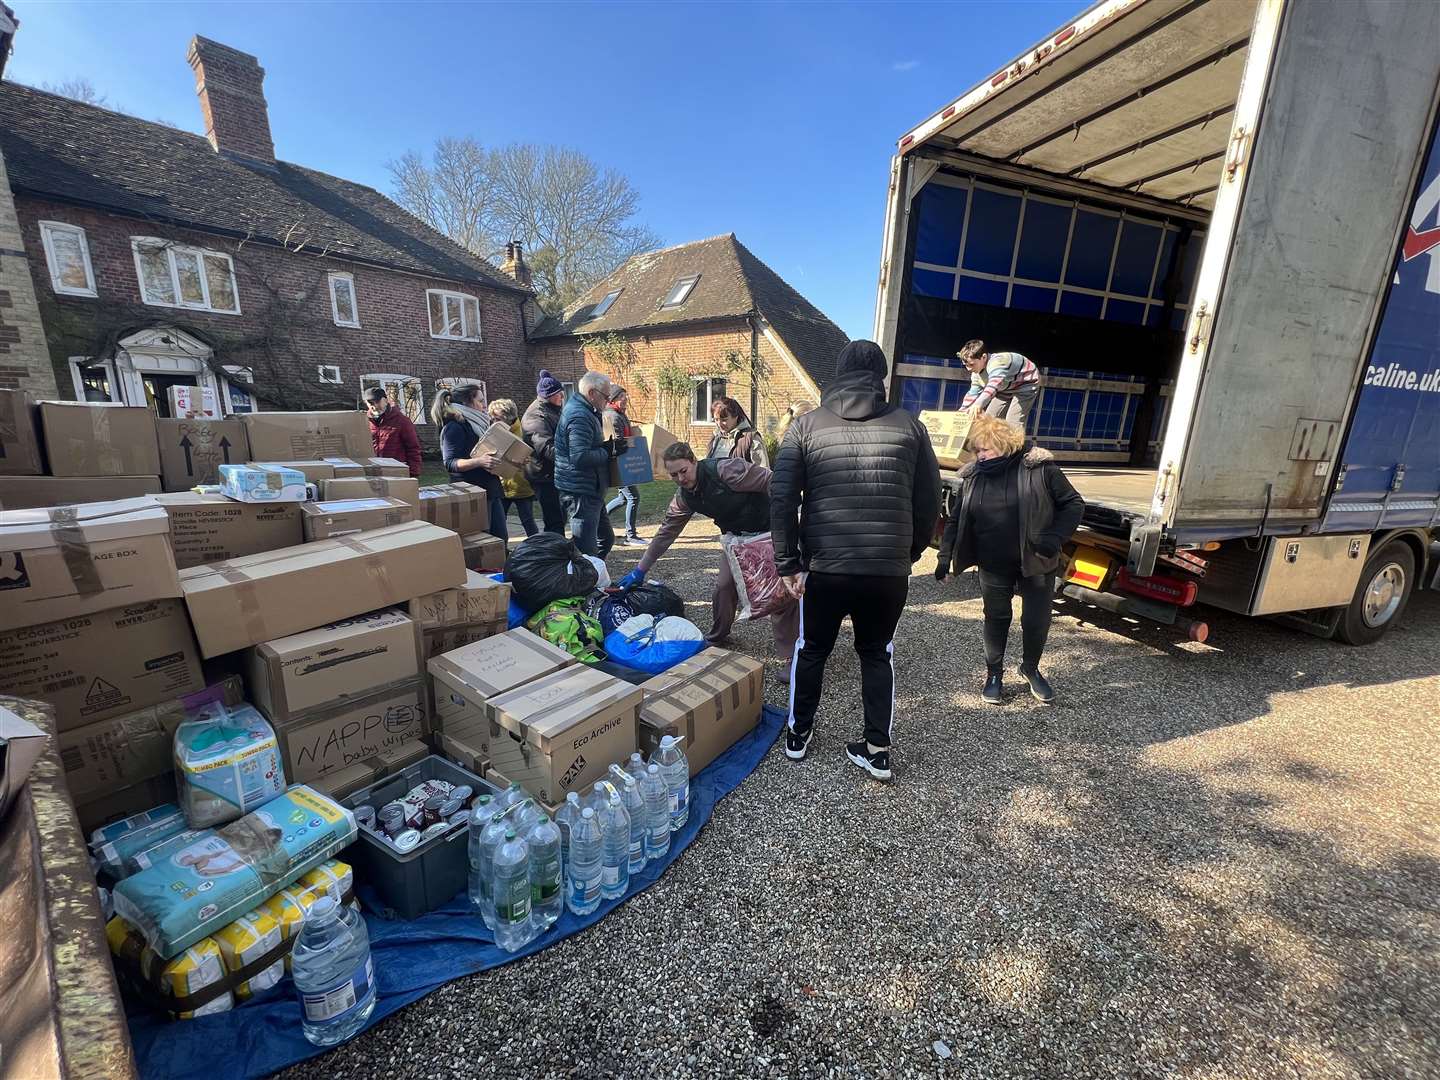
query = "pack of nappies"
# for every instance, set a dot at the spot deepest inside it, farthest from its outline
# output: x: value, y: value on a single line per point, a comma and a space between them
x: 197, y: 967
x: 153, y: 827
x: 227, y: 763
x: 262, y: 483
x: 249, y: 938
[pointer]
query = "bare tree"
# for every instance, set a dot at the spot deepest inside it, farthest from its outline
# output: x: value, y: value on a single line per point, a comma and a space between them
x: 78, y: 89
x: 575, y: 218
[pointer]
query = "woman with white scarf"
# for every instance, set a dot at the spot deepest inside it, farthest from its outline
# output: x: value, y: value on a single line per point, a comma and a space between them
x: 463, y: 421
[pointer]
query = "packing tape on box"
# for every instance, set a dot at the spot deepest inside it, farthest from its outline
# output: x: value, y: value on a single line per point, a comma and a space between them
x: 342, y: 705
x: 374, y: 564
x: 697, y: 678
x: 379, y: 485
x: 550, y: 707
x: 396, y: 517
x: 75, y: 550
x: 246, y: 596
x: 107, y: 456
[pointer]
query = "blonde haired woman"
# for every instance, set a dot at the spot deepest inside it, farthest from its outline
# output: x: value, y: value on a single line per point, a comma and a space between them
x: 1016, y: 511
x: 516, y: 489
x: 460, y: 414
x: 798, y: 409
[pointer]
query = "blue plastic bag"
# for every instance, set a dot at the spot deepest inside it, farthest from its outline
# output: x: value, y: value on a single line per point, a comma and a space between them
x: 518, y: 614
x: 644, y: 653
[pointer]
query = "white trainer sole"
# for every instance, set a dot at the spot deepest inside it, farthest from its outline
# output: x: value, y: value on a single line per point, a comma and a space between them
x: 883, y: 775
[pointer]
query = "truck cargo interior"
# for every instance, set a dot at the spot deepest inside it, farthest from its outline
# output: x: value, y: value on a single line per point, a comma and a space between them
x: 1060, y: 211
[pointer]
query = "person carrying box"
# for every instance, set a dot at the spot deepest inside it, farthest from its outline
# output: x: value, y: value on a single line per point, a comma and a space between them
x: 1002, y: 384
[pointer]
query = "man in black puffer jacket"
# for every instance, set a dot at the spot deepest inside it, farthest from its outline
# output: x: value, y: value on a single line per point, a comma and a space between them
x: 853, y: 502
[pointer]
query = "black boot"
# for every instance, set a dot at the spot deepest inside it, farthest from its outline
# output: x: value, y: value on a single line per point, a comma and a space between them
x: 1040, y: 688
x: 993, y: 694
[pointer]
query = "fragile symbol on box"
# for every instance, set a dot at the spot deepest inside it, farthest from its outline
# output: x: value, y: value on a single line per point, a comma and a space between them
x: 12, y: 571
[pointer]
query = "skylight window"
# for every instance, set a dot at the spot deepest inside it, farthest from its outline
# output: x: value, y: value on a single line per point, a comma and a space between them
x: 604, y: 305
x: 680, y: 291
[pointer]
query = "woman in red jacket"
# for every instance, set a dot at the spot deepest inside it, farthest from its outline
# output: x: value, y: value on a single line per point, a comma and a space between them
x: 391, y: 431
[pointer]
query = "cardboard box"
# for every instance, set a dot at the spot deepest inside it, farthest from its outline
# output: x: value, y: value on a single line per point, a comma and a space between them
x: 467, y: 677
x: 314, y: 471
x: 28, y: 492
x: 406, y: 489
x: 483, y: 552
x: 434, y: 643
x: 120, y: 803
x: 21, y: 744
x: 657, y: 440
x: 61, y: 562
x: 192, y: 451
x: 306, y: 436
x: 317, y: 667
x: 246, y: 601
x: 322, y: 742
x: 561, y: 732
x: 19, y: 441
x: 713, y: 699
x: 461, y: 508
x: 481, y: 599
x: 469, y: 752
x: 193, y: 401
x: 85, y: 438
x: 346, y: 468
x: 342, y: 783
x: 342, y: 517
x: 212, y: 528
x: 95, y: 667
x: 512, y: 450
x: 257, y: 483
x: 633, y: 466
x: 948, y: 432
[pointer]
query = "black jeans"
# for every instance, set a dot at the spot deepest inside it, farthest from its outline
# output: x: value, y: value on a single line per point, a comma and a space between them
x: 525, y: 511
x: 874, y: 605
x: 551, y: 511
x: 996, y: 592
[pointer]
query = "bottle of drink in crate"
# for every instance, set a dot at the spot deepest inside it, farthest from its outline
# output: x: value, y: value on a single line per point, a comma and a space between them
x: 585, y: 868
x: 547, y: 879
x: 512, y: 892
x: 635, y: 807
x: 480, y: 816
x: 333, y: 973
x: 566, y: 818
x: 675, y: 768
x: 657, y: 813
x: 615, y: 826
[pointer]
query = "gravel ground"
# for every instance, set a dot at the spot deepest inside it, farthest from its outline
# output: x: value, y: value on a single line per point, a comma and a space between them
x: 1204, y: 862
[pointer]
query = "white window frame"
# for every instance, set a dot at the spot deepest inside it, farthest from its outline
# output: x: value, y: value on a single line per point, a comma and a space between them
x: 384, y: 382
x: 338, y: 275
x: 47, y: 230
x: 706, y: 381
x: 171, y: 247
x: 322, y: 372
x: 465, y: 331
x: 245, y: 373
x: 688, y: 282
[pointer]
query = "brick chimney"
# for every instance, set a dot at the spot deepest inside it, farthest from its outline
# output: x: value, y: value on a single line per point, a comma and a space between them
x: 514, y: 263
x: 231, y: 87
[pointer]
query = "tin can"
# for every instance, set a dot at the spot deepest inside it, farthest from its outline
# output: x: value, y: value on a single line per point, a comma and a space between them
x: 460, y: 818
x: 434, y: 807
x: 365, y: 817
x: 391, y: 817
x: 440, y: 828
x: 408, y: 840
x: 450, y: 809
x: 463, y: 792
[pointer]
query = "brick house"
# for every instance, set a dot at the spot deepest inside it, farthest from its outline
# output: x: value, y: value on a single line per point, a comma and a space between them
x: 682, y: 326
x: 160, y: 258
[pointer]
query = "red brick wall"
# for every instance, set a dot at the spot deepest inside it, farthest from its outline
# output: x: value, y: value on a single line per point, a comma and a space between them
x: 285, y: 329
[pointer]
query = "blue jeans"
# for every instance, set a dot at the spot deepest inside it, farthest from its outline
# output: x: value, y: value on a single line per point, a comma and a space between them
x: 631, y: 497
x: 590, y: 526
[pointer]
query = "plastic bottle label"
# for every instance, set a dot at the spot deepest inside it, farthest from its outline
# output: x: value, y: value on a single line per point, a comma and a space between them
x: 584, y: 891
x: 340, y: 999
x: 518, y: 909
x: 612, y: 875
x: 545, y: 880
x: 637, y: 847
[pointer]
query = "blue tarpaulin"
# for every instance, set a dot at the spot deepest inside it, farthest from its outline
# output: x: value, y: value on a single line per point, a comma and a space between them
x: 413, y: 958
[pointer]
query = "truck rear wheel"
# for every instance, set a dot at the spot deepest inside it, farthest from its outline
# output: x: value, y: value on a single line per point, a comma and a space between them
x: 1381, y: 596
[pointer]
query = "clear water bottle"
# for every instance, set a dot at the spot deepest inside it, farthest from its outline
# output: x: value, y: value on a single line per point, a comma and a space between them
x: 511, y: 882
x: 547, y: 879
x: 333, y: 973
x: 511, y: 795
x: 635, y: 807
x: 636, y: 767
x: 525, y: 816
x: 615, y: 828
x: 657, y: 813
x: 585, y: 870
x: 598, y: 799
x: 565, y: 818
x: 481, y: 814
x: 675, y: 769
x: 490, y: 840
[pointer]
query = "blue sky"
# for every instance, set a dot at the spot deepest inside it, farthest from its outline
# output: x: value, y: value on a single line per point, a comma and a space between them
x: 774, y: 121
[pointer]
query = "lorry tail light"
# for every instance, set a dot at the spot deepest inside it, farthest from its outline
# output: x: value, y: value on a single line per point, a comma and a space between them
x: 1167, y: 590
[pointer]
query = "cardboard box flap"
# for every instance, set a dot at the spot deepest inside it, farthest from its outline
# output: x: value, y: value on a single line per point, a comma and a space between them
x: 543, y: 711
x: 675, y: 695
x: 483, y: 666
x: 82, y: 523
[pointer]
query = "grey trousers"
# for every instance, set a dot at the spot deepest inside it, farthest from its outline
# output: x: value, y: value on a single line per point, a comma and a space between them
x: 1017, y: 407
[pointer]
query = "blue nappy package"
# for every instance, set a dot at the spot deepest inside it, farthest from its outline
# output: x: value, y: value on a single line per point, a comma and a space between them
x: 124, y: 839
x: 227, y: 763
x: 262, y: 483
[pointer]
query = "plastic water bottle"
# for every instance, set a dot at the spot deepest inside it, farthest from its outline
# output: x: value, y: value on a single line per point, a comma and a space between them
x: 636, y: 767
x: 586, y: 866
x: 481, y: 814
x: 333, y: 973
x: 657, y: 813
x: 547, y: 879
x: 565, y: 819
x: 615, y: 827
x: 527, y: 814
x: 635, y: 808
x: 599, y: 798
x: 512, y: 794
x: 675, y: 769
x: 490, y: 841
x: 512, y: 892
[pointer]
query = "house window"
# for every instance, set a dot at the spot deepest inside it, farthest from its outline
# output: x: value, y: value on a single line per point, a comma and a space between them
x: 680, y: 291
x: 172, y: 275
x: 404, y: 391
x: 707, y: 392
x: 342, y: 300
x: 237, y: 398
x: 453, y: 315
x: 69, y: 257
x: 604, y: 305
x: 329, y: 374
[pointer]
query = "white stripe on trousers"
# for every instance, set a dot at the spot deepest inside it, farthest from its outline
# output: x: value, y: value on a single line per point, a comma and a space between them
x: 795, y: 661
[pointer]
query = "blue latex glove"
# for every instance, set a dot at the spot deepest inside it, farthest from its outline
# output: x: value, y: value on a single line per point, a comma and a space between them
x: 633, y: 578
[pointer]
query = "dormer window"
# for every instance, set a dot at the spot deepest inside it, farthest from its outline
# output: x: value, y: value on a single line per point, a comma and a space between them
x: 680, y: 291
x: 604, y: 305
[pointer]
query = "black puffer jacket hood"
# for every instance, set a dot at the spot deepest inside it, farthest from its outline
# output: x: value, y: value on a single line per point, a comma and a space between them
x: 858, y: 391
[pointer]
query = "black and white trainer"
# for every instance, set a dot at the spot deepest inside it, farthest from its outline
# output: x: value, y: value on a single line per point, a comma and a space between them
x: 876, y: 764
x: 797, y: 743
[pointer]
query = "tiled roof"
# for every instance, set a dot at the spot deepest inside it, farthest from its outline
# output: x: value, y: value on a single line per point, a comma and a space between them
x: 62, y: 149
x: 732, y: 283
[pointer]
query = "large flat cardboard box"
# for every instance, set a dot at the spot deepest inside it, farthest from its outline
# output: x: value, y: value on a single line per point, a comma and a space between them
x: 344, y: 517
x: 192, y: 451
x: 246, y: 601
x: 483, y: 552
x: 313, y: 668
x: 406, y: 489
x: 513, y: 452
x: 343, y: 783
x: 481, y: 599
x: 346, y: 468
x: 19, y: 440
x: 99, y: 666
x: 321, y: 742
x: 467, y: 677
x: 91, y: 439
x: 713, y: 699
x: 306, y: 436
x: 315, y: 471
x: 212, y: 528
x: 657, y: 441
x: 948, y: 432
x: 561, y: 732
x: 61, y: 562
x: 633, y: 467
x: 28, y: 492
x: 461, y: 508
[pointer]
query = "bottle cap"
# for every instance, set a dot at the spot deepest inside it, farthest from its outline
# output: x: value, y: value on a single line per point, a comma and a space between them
x: 652, y: 767
x: 323, y: 905
x: 589, y: 811
x: 484, y: 800
x: 667, y: 741
x: 509, y: 834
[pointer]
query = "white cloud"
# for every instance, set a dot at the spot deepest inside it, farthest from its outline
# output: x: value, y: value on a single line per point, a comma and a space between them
x: 905, y: 65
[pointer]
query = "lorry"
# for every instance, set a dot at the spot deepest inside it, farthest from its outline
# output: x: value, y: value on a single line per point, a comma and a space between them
x: 1213, y: 225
